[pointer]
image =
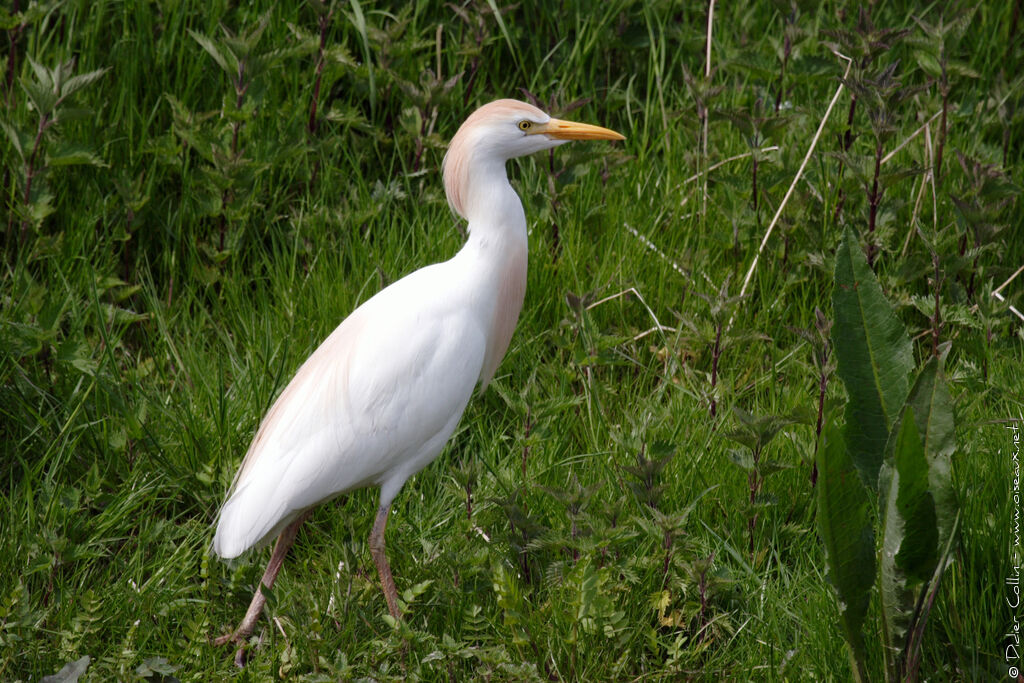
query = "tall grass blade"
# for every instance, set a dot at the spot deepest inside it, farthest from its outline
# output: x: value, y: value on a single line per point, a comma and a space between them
x: 359, y: 20
x: 505, y: 34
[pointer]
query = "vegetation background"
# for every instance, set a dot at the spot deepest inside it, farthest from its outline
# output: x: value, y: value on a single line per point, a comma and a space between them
x: 196, y: 193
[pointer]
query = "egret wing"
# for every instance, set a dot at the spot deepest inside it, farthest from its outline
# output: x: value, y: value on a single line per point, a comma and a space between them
x: 372, y: 405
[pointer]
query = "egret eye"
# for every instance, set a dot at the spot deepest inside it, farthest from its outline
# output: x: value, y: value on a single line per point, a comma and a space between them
x: 525, y: 125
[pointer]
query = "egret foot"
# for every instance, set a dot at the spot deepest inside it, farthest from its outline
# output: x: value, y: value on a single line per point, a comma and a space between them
x: 252, y: 615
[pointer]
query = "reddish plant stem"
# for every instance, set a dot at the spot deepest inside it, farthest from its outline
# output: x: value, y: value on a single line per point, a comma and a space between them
x: 822, y: 388
x: 526, y: 442
x: 847, y: 140
x: 31, y: 171
x: 240, y: 88
x: 937, y: 315
x: 753, y: 191
x: 942, y: 125
x: 702, y: 621
x: 667, y: 545
x: 715, y: 354
x: 874, y: 198
x: 787, y: 47
x: 12, y: 56
x: 754, y: 485
x: 321, y: 62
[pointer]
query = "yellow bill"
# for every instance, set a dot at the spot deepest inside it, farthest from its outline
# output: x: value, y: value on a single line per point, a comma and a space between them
x: 570, y: 130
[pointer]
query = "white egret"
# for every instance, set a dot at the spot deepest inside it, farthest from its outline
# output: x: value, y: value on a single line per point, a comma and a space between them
x: 380, y: 397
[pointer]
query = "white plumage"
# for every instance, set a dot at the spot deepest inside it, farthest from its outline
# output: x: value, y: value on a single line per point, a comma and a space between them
x: 372, y: 405
x: 377, y: 401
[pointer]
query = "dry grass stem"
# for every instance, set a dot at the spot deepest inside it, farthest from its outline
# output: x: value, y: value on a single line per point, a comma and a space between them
x: 723, y: 162
x: 653, y: 247
x: 1008, y: 281
x: 658, y: 327
x: 707, y: 82
x: 910, y: 137
x: 920, y: 192
x: 1013, y: 309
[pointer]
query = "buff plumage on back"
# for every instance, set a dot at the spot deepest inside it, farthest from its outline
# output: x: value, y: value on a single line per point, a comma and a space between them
x: 456, y: 160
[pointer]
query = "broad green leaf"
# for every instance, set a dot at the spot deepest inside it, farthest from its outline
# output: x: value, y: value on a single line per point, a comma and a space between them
x: 874, y: 358
x: 910, y: 545
x: 933, y: 413
x: 845, y: 527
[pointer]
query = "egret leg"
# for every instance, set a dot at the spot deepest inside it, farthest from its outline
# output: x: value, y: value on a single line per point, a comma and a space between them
x: 380, y: 558
x: 245, y: 627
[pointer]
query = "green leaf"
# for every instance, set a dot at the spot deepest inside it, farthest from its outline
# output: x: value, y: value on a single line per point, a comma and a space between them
x: 18, y: 340
x: 41, y: 207
x: 874, y: 357
x: 121, y: 316
x: 910, y: 545
x: 207, y: 44
x: 156, y: 668
x: 42, y: 98
x: 76, y: 83
x: 79, y: 356
x: 844, y: 524
x: 928, y: 63
x: 766, y: 467
x: 933, y: 414
x: 918, y: 550
x: 742, y: 457
x: 15, y: 137
x: 65, y: 114
x: 44, y: 76
x: 74, y: 155
x: 9, y: 21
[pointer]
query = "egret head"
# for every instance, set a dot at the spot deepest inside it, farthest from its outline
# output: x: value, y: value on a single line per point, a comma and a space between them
x: 502, y: 130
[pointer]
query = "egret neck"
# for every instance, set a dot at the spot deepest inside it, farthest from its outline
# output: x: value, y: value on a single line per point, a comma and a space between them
x: 494, y: 258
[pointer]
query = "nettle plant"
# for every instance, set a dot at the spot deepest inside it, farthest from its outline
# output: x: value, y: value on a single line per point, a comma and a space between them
x: 38, y: 138
x: 231, y: 163
x: 754, y: 433
x: 887, y: 513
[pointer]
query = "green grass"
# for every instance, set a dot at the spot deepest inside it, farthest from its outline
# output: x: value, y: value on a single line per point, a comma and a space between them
x: 159, y: 290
